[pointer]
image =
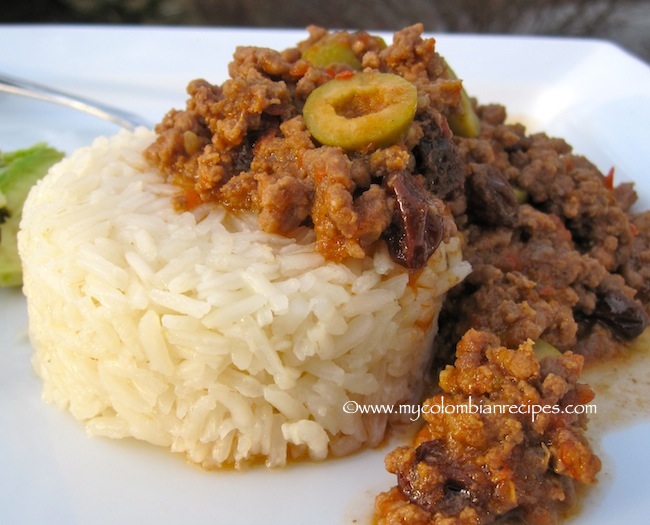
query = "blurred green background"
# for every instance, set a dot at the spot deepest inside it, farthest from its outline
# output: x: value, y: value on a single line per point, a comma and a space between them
x: 626, y: 22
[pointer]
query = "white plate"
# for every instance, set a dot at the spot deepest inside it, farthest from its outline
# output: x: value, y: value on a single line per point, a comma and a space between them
x: 589, y: 92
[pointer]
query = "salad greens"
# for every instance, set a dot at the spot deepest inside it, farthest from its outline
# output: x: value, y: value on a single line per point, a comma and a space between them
x: 19, y: 171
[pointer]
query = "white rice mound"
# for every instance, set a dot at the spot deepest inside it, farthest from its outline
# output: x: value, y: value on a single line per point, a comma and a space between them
x: 198, y: 332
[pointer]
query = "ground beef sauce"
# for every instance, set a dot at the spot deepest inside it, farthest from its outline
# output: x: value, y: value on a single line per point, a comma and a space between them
x: 244, y: 144
x: 471, y: 466
x: 569, y: 264
x: 559, y: 261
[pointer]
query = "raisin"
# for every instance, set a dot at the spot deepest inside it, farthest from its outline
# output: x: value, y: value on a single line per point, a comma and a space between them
x: 417, y: 227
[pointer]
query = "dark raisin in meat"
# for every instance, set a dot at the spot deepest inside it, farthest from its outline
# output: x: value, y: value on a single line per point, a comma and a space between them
x: 417, y: 228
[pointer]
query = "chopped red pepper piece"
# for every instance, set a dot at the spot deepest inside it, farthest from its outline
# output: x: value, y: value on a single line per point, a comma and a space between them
x: 609, y: 179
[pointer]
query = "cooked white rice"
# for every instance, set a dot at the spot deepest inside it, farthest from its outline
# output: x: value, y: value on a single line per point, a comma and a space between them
x: 197, y: 332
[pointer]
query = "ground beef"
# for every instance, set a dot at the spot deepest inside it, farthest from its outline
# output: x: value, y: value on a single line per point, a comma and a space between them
x: 244, y: 144
x: 556, y: 251
x: 344, y: 225
x: 636, y: 270
x: 557, y: 182
x: 490, y: 457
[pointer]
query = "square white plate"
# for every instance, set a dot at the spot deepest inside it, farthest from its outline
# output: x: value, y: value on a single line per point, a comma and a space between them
x: 589, y: 92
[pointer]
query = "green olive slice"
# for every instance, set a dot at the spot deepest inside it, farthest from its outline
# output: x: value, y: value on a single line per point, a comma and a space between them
x: 544, y: 349
x: 365, y: 111
x: 464, y: 122
x: 330, y: 51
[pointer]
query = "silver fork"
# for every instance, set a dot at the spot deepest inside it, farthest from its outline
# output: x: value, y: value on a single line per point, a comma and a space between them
x: 31, y: 89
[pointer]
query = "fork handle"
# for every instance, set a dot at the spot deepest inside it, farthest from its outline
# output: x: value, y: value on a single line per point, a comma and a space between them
x: 31, y: 89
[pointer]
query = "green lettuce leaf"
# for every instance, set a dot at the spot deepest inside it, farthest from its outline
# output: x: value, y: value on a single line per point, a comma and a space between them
x: 19, y: 171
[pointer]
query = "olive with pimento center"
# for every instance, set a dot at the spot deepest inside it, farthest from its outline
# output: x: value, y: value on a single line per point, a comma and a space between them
x: 361, y: 112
